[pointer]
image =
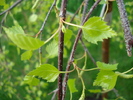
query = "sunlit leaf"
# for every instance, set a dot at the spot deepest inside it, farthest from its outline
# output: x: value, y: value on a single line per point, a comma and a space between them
x: 31, y: 80
x: 33, y: 18
x: 2, y: 2
x: 71, y: 85
x: 52, y: 49
x: 16, y: 34
x: 26, y: 55
x: 106, y: 79
x: 17, y: 29
x: 46, y: 71
x: 105, y: 66
x: 67, y: 37
x: 95, y: 30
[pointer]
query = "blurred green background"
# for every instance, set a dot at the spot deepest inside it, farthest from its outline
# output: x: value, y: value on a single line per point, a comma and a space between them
x: 13, y: 70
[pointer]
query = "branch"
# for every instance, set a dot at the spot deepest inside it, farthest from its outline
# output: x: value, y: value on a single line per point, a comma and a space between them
x: 85, y: 9
x: 14, y: 5
x: 74, y: 48
x: 83, y: 45
x: 126, y: 26
x: 61, y: 47
x: 2, y: 23
x: 88, y: 52
x: 42, y: 27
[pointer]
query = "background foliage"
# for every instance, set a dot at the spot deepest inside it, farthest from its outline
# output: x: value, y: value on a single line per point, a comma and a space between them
x: 13, y: 70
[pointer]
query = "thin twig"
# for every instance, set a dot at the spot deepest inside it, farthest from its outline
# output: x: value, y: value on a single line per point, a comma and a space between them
x: 85, y: 9
x: 42, y: 27
x: 74, y: 48
x: 2, y: 23
x: 11, y: 7
x: 83, y: 17
x: 88, y: 52
x: 126, y: 26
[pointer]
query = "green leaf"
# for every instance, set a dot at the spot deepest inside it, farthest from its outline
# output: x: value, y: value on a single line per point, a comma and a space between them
x: 52, y: 49
x: 46, y: 71
x: 71, y: 85
x: 16, y: 34
x: 33, y: 18
x: 17, y: 29
x: 106, y: 79
x: 95, y: 30
x: 26, y: 55
x: 67, y: 38
x: 105, y: 66
x: 2, y: 2
x: 31, y: 80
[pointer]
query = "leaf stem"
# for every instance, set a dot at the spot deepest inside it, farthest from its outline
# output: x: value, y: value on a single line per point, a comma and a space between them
x: 72, y: 24
x: 128, y: 71
x: 83, y: 85
x: 52, y: 36
x: 88, y: 69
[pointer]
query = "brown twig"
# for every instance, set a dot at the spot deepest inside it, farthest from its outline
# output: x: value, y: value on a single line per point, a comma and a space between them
x: 74, y: 48
x: 61, y: 47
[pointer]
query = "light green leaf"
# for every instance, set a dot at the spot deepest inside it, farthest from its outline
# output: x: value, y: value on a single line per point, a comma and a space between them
x: 31, y: 80
x: 95, y: 30
x: 106, y: 79
x: 71, y: 85
x: 2, y: 2
x: 52, y: 49
x: 105, y: 66
x: 67, y: 38
x: 94, y: 90
x: 16, y: 34
x: 26, y: 55
x: 17, y: 29
x: 33, y: 18
x: 46, y: 71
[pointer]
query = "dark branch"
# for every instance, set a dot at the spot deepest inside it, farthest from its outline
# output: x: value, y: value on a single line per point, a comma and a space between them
x: 61, y: 47
x: 126, y: 27
x: 14, y: 5
x: 74, y: 48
